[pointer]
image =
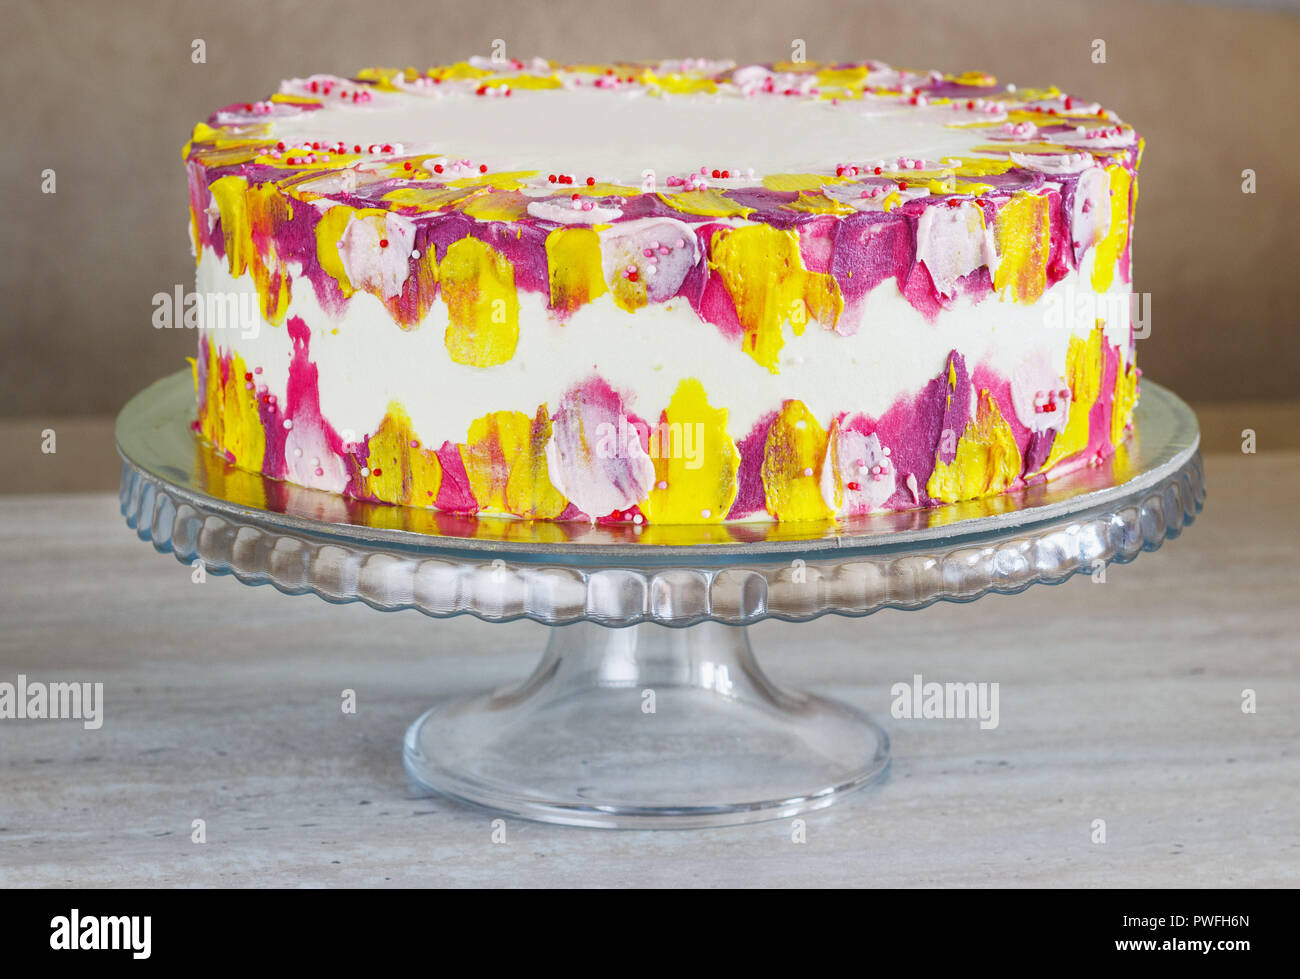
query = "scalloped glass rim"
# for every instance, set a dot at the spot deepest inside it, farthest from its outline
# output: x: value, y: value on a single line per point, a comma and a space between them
x: 155, y: 439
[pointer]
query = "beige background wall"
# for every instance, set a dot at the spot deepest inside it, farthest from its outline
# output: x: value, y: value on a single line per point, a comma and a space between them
x: 105, y: 94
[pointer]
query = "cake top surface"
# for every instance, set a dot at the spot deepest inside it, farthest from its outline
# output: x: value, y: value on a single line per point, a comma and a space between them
x: 593, y: 144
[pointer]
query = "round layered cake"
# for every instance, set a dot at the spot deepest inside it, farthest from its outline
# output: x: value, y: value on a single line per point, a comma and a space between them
x: 682, y: 292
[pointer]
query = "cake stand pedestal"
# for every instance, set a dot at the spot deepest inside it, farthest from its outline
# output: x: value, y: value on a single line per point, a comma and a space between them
x: 648, y: 707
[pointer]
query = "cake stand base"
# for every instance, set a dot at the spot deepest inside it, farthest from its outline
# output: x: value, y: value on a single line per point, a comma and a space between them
x: 646, y: 727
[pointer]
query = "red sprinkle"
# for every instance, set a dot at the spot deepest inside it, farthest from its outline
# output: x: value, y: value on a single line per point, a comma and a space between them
x: 383, y: 242
x: 437, y: 168
x: 376, y: 472
x: 407, y: 165
x: 482, y: 168
x: 591, y: 181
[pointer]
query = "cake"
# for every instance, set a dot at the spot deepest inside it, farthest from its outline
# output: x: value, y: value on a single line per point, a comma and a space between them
x: 672, y: 293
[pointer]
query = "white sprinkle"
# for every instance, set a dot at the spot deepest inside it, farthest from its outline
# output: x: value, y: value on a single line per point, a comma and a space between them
x: 365, y: 470
x: 706, y: 514
x: 297, y: 453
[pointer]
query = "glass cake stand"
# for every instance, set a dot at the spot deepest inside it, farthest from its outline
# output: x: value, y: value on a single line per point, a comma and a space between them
x: 648, y: 707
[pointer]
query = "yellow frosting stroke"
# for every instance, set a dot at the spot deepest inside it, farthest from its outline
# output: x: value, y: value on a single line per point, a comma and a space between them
x: 987, y: 459
x: 400, y: 470
x: 763, y: 273
x: 210, y: 416
x: 573, y: 266
x: 229, y: 193
x: 1112, y: 246
x: 529, y: 491
x: 497, y: 205
x: 478, y: 285
x: 329, y: 229
x: 696, y: 461
x: 792, y: 459
x: 1126, y: 380
x: 1023, y: 240
x: 268, y: 211
x: 230, y: 420
x: 706, y: 203
x: 1084, y: 362
x: 800, y: 181
x: 491, y: 448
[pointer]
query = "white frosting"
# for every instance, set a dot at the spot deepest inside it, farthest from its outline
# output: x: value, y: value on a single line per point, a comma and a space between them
x: 616, y: 135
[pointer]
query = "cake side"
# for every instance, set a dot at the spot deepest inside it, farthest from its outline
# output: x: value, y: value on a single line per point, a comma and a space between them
x: 738, y: 343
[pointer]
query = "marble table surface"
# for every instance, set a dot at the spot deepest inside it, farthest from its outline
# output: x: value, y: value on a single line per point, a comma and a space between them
x: 1120, y: 701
